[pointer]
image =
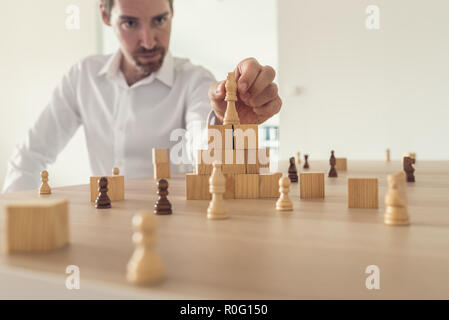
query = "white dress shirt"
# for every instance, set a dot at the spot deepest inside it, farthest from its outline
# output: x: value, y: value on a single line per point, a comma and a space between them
x: 121, y: 123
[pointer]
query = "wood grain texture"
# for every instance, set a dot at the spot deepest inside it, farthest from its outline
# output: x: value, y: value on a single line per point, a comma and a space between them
x: 246, y: 136
x: 246, y: 186
x: 320, y: 250
x: 363, y: 193
x: 160, y: 155
x: 37, y: 226
x: 341, y: 165
x: 161, y: 171
x: 197, y: 187
x: 269, y: 185
x: 311, y: 185
x: 116, y: 186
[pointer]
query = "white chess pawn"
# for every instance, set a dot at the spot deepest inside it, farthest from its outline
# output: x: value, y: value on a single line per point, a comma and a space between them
x: 116, y: 172
x: 396, y: 201
x: 284, y: 203
x: 217, y: 187
x: 45, y: 188
x: 145, y: 266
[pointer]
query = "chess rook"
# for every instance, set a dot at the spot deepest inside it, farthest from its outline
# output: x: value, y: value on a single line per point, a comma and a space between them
x: 396, y: 201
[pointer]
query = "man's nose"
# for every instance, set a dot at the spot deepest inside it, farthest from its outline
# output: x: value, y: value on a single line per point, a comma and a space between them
x: 148, y: 38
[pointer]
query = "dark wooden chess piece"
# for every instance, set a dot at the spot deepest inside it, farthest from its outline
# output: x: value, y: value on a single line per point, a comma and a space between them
x: 162, y: 206
x: 332, y: 162
x: 306, y: 163
x: 292, y: 172
x: 408, y: 168
x: 103, y: 201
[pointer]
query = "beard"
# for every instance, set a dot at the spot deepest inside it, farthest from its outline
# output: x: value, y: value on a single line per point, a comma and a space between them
x: 147, y: 68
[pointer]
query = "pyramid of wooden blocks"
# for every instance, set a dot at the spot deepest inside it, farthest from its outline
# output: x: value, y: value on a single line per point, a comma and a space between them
x: 161, y: 163
x: 116, y: 188
x: 363, y: 193
x: 311, y: 185
x: 38, y: 226
x: 341, y: 164
x: 235, y: 146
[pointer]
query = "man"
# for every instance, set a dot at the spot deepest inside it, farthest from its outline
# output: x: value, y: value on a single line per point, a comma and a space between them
x: 131, y: 101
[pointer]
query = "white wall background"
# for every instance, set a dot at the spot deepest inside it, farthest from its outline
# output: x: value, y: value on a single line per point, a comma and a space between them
x: 362, y: 91
x: 36, y: 50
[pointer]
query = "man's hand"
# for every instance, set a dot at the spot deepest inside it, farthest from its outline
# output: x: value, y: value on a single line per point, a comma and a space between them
x: 258, y: 98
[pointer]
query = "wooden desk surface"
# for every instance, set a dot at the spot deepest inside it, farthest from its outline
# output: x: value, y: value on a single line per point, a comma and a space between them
x: 320, y: 250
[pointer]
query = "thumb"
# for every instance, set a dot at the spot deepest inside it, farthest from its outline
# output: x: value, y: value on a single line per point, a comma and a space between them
x: 217, y: 92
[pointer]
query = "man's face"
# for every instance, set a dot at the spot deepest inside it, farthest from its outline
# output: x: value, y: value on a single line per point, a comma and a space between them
x: 143, y: 28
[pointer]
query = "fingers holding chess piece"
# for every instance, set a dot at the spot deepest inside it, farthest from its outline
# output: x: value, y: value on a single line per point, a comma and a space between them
x: 145, y: 266
x: 45, y: 187
x: 284, y: 203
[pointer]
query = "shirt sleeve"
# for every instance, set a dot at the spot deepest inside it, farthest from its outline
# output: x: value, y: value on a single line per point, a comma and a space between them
x: 53, y: 129
x: 198, y: 114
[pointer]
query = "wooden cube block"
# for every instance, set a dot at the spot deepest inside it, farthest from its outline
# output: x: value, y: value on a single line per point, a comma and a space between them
x: 161, y: 155
x: 230, y: 186
x: 311, y: 185
x: 269, y: 185
x: 246, y: 136
x: 246, y: 186
x: 203, y: 169
x: 220, y: 137
x: 263, y: 158
x: 116, y: 186
x: 341, y: 164
x: 209, y: 156
x: 234, y: 161
x: 197, y: 187
x: 37, y: 226
x: 161, y: 170
x: 363, y: 193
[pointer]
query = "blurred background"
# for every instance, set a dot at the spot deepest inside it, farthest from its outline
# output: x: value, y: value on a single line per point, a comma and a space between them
x: 351, y: 79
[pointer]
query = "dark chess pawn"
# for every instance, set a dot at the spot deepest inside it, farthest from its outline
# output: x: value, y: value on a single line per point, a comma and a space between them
x: 306, y: 163
x: 162, y: 206
x: 103, y: 201
x: 292, y: 172
x: 408, y: 168
x: 332, y: 162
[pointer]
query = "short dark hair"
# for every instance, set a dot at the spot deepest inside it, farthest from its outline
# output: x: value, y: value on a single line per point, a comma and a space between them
x: 107, y: 4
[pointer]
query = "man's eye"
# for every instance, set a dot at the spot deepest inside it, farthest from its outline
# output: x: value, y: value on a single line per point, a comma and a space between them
x: 160, y: 21
x: 130, y: 24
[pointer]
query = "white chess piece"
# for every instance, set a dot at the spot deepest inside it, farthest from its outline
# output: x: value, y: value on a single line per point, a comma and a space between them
x: 284, y: 203
x: 145, y: 266
x: 396, y: 201
x: 45, y: 188
x: 217, y: 187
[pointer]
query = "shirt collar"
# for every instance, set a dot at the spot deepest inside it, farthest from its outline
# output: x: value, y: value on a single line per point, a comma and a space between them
x: 165, y: 74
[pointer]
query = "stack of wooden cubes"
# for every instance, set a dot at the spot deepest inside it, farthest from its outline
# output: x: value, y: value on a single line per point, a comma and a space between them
x: 235, y: 146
